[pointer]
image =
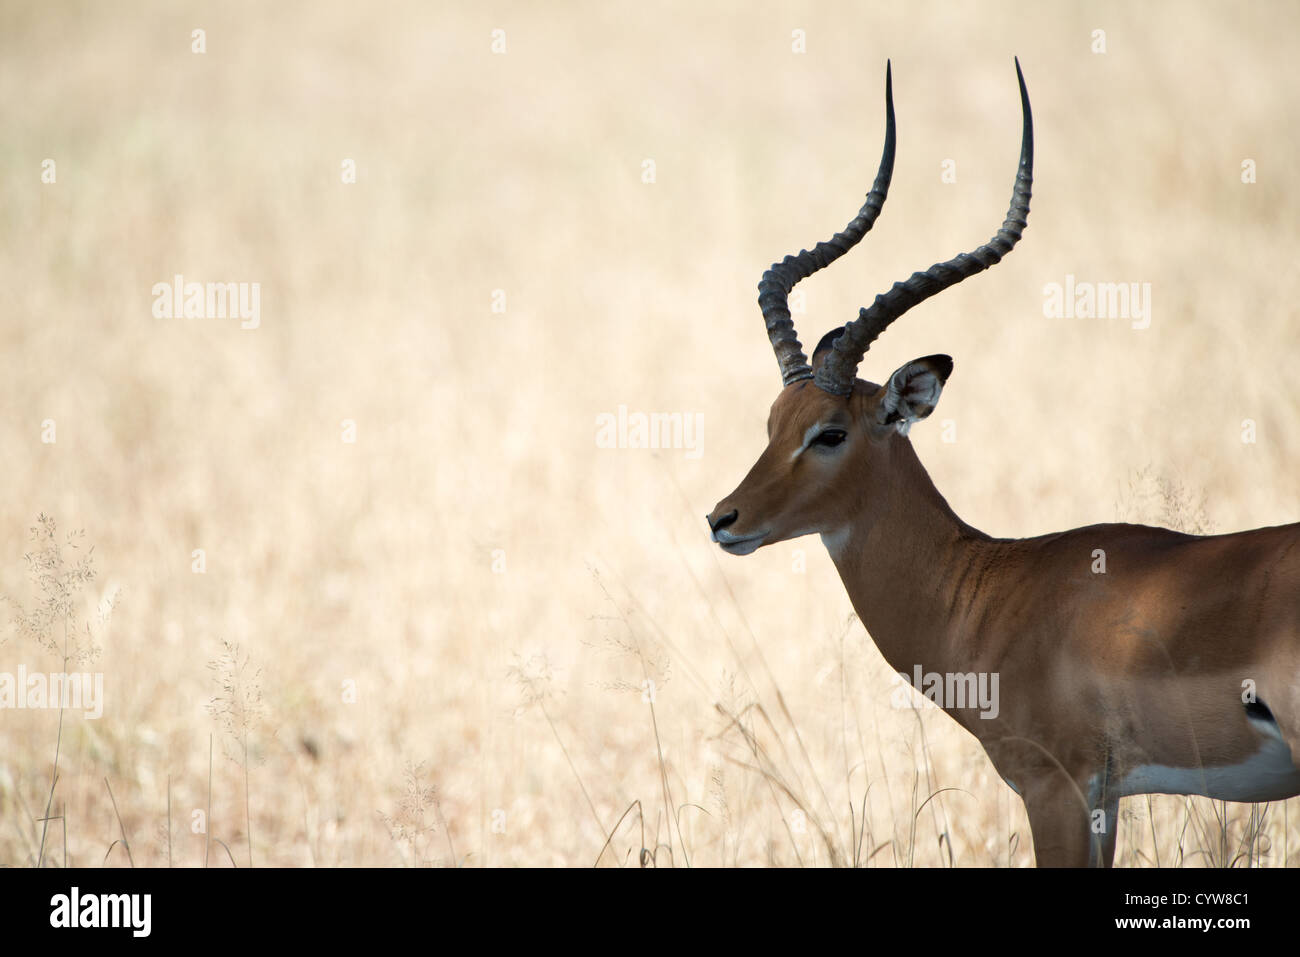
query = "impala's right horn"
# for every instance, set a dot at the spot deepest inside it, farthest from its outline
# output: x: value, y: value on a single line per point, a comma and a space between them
x: 774, y: 288
x: 840, y: 368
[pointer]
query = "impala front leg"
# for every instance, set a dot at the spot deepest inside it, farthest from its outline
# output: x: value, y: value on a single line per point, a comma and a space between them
x: 1104, y: 843
x: 1060, y: 823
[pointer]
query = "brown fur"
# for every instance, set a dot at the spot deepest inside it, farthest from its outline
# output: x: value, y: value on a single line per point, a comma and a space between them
x: 1099, y: 673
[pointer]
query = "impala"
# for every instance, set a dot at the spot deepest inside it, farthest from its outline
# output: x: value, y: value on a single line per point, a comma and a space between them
x: 1131, y: 659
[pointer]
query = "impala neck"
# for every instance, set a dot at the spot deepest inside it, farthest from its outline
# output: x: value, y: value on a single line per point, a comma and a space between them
x: 902, y: 557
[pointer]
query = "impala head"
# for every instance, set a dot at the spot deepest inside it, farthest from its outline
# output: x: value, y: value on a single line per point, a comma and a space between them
x: 833, y: 438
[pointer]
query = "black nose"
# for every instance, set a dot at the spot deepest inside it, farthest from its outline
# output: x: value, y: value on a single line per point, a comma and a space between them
x: 722, y: 522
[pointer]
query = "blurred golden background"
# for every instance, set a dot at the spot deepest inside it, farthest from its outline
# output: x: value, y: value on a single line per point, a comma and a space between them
x: 465, y: 633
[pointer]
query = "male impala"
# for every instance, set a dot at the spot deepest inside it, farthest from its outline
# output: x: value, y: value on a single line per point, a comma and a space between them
x: 1130, y: 659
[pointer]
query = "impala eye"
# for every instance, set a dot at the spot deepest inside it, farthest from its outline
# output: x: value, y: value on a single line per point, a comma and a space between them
x: 830, y: 438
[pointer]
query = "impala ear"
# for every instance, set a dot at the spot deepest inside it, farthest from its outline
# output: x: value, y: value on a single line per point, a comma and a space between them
x: 913, y: 391
x: 824, y: 348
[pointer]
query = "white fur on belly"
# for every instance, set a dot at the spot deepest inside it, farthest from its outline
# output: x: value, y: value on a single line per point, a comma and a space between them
x: 1267, y: 775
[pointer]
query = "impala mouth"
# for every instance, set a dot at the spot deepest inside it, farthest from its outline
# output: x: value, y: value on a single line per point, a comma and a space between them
x: 736, y: 544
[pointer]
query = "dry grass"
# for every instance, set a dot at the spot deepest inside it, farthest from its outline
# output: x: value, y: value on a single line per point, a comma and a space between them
x: 479, y: 638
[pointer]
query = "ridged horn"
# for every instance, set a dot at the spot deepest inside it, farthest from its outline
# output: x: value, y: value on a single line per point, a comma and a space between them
x: 774, y: 288
x: 839, y: 369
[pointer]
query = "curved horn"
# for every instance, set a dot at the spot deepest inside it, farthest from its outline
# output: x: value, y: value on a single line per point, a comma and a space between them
x: 774, y: 288
x: 837, y: 372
